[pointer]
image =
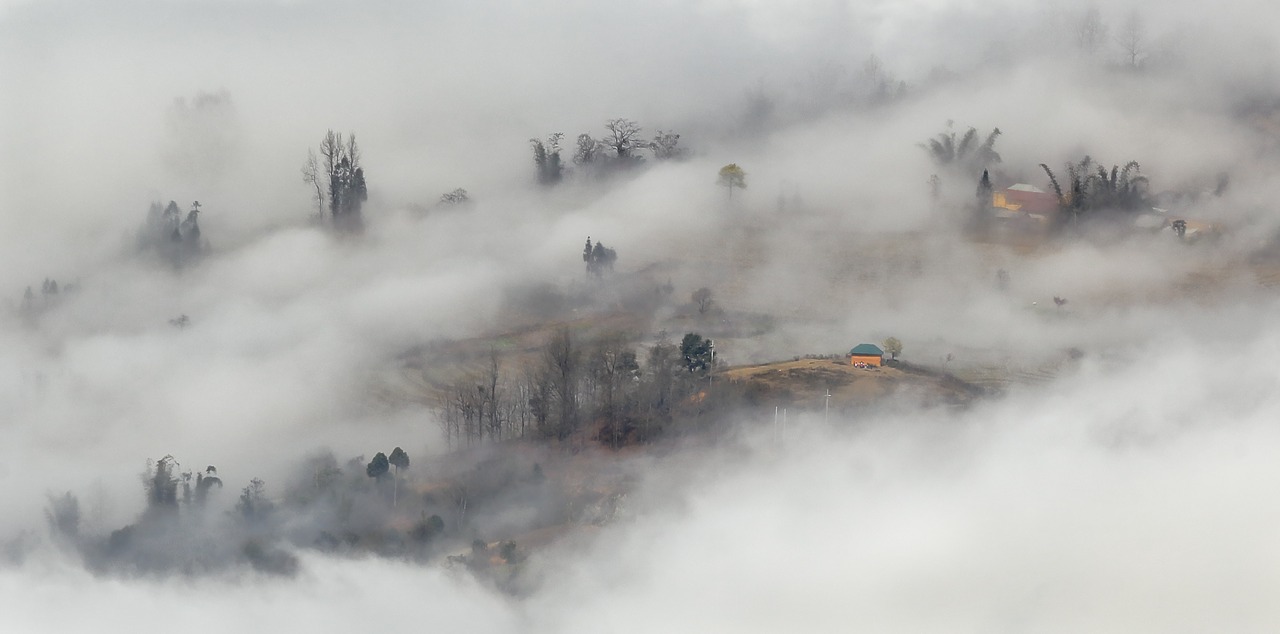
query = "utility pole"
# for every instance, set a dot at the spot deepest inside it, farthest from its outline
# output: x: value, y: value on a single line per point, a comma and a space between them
x: 826, y: 411
x: 712, y: 345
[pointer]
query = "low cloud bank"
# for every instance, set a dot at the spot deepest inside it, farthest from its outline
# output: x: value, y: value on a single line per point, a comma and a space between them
x: 1113, y: 502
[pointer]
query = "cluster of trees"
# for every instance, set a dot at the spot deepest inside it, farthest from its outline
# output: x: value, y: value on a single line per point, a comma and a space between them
x: 162, y: 481
x: 184, y: 529
x: 167, y: 234
x: 604, y: 386
x: 338, y: 179
x: 1092, y: 37
x: 1091, y: 191
x: 963, y: 156
x: 546, y: 158
x: 599, y: 258
x: 50, y: 293
x: 825, y: 87
x: 181, y: 529
x: 620, y: 148
x: 381, y: 464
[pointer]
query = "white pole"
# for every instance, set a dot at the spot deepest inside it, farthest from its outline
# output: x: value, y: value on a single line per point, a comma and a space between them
x: 711, y: 344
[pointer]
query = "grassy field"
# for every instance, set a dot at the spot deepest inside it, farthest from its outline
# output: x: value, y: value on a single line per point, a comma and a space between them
x: 805, y: 383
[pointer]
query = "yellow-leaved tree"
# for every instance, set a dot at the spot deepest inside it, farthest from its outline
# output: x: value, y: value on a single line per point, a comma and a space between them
x: 732, y: 176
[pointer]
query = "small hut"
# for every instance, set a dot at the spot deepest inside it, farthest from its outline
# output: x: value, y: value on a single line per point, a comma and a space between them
x: 866, y: 353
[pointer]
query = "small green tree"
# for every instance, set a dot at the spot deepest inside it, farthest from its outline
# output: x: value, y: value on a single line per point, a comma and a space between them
x: 732, y: 176
x: 893, y: 347
x: 508, y: 552
x: 696, y: 352
x: 400, y: 460
x: 427, y: 528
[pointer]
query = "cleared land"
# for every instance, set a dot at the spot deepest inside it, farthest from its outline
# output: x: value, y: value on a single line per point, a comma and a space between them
x: 804, y: 384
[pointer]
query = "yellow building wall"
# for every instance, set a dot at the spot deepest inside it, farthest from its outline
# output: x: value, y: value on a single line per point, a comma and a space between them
x: 998, y: 200
x: 865, y: 358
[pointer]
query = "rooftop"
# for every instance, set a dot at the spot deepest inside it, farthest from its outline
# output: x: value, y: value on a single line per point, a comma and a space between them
x: 1023, y: 187
x: 867, y: 349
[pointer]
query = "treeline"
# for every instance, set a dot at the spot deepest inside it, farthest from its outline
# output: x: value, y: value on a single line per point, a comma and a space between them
x: 604, y: 389
x: 190, y: 527
x: 184, y: 528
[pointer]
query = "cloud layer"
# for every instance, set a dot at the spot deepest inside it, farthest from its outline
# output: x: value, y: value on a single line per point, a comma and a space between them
x: 1129, y: 495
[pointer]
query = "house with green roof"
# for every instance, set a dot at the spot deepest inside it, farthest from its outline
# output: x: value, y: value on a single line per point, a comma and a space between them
x: 868, y: 353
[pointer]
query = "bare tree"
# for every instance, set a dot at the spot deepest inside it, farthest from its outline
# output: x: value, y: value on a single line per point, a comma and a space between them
x: 587, y: 151
x: 311, y: 175
x: 614, y: 370
x: 347, y: 190
x: 659, y: 392
x: 1091, y: 32
x: 702, y: 297
x: 623, y: 137
x: 492, y: 395
x: 561, y: 360
x: 1132, y: 40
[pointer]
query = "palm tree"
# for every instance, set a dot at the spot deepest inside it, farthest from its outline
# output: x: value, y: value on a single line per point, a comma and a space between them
x: 1093, y: 188
x: 965, y: 152
x: 400, y: 460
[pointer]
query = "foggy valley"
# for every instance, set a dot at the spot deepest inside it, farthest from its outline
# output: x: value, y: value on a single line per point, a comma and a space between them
x: 716, y: 316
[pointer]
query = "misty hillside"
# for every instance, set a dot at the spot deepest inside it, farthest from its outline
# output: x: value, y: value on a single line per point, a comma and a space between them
x: 697, y: 317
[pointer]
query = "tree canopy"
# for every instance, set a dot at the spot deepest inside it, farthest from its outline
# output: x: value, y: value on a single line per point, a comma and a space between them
x: 893, y: 346
x: 378, y: 467
x: 965, y: 152
x: 697, y: 352
x: 598, y: 257
x: 732, y: 176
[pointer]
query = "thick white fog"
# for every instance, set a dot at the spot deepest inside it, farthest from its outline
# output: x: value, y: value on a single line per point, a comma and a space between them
x: 1133, y: 499
x: 1132, y: 491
